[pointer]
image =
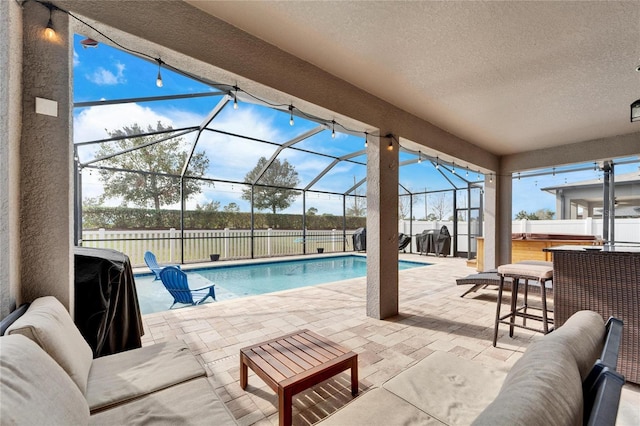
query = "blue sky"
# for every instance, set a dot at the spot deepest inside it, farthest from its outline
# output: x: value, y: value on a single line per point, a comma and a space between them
x: 108, y: 73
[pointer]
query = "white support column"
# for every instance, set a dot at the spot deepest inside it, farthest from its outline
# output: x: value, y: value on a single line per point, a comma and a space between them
x: 382, y: 228
x: 497, y: 220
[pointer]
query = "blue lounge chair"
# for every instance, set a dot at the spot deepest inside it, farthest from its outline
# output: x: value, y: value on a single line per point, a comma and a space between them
x: 175, y: 281
x: 152, y: 263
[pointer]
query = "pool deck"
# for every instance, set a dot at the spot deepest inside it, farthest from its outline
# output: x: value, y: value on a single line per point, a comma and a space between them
x: 432, y: 317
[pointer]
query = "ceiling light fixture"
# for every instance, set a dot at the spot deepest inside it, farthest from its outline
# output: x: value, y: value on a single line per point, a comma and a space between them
x: 366, y: 139
x: 88, y: 42
x: 453, y: 167
x: 491, y: 178
x: 437, y: 162
x: 333, y: 129
x: 159, y: 78
x: 635, y: 111
x: 419, y: 157
x: 291, y: 115
x: 390, y: 146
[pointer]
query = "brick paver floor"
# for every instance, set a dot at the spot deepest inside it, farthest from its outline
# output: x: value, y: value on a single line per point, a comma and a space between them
x: 432, y: 317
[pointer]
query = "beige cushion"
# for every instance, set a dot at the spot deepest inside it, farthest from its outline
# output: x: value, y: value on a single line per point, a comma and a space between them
x: 526, y: 270
x: 378, y: 407
x: 48, y: 323
x: 34, y: 389
x: 454, y: 390
x: 583, y: 333
x: 542, y: 388
x: 191, y: 403
x: 127, y: 375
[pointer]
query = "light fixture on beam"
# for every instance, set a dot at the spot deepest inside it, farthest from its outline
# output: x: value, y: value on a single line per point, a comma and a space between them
x: 88, y: 42
x: 635, y: 111
x: 291, y: 115
x: 49, y: 32
x: 159, y: 82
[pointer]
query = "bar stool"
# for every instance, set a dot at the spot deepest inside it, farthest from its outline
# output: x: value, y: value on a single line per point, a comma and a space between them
x: 541, y: 272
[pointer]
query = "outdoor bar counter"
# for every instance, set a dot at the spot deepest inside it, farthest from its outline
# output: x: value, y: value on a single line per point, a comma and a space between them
x: 605, y: 279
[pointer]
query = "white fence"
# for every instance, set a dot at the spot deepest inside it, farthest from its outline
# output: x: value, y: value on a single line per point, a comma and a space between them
x: 236, y: 244
x: 229, y: 244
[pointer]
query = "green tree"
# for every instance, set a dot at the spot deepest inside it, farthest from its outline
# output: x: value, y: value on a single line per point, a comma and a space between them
x: 231, y: 208
x: 312, y: 211
x: 542, y: 214
x: 280, y: 177
x: 211, y: 206
x: 153, y: 188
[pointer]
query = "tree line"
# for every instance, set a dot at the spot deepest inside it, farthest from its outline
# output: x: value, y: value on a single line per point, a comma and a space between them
x: 125, y: 218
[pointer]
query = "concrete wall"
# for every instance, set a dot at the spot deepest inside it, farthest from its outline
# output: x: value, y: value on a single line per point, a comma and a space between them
x: 10, y: 127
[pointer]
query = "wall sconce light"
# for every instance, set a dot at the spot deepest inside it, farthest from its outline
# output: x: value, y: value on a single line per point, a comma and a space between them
x: 635, y: 111
x: 390, y: 146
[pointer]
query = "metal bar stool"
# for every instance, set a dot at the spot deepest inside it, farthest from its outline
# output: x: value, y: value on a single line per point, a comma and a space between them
x: 541, y: 272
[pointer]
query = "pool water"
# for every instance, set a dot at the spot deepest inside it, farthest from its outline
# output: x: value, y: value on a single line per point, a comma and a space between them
x: 236, y: 281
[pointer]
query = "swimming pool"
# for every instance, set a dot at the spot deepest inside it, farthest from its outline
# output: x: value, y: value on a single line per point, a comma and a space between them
x: 235, y: 281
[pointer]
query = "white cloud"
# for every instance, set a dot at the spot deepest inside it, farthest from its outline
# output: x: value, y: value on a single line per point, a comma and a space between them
x: 76, y: 58
x: 92, y: 123
x: 104, y: 77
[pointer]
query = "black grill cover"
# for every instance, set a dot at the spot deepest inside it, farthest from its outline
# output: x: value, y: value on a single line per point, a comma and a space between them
x: 403, y: 241
x: 360, y: 239
x: 106, y: 302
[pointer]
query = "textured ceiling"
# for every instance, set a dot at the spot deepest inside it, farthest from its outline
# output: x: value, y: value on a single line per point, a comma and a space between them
x: 507, y: 76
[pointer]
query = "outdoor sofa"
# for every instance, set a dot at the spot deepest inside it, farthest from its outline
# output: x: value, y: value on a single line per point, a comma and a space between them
x: 544, y: 387
x: 48, y: 376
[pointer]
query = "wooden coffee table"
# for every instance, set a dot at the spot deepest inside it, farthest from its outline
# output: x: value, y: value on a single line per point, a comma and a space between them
x: 295, y: 362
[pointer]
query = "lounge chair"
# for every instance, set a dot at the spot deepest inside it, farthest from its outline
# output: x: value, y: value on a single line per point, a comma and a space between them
x: 175, y: 281
x: 152, y: 263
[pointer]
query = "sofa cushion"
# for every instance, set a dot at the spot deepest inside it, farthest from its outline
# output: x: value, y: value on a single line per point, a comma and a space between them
x: 130, y: 374
x: 378, y: 407
x: 452, y: 389
x: 542, y: 388
x: 191, y: 403
x: 48, y: 323
x: 583, y: 333
x: 34, y: 389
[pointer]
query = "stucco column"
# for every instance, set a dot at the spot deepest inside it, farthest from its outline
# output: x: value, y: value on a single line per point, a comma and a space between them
x: 45, y: 157
x: 382, y: 228
x: 497, y: 220
x: 10, y: 125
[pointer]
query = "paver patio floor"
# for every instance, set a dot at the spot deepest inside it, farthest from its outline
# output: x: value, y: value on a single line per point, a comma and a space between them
x: 433, y: 317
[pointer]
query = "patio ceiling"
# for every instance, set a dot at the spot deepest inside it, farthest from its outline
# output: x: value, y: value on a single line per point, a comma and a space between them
x: 510, y: 77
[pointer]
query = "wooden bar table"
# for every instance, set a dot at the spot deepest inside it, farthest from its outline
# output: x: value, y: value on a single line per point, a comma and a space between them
x: 604, y: 279
x: 295, y: 362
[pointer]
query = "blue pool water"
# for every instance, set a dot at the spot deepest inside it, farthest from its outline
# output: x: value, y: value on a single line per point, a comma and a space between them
x: 246, y: 280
